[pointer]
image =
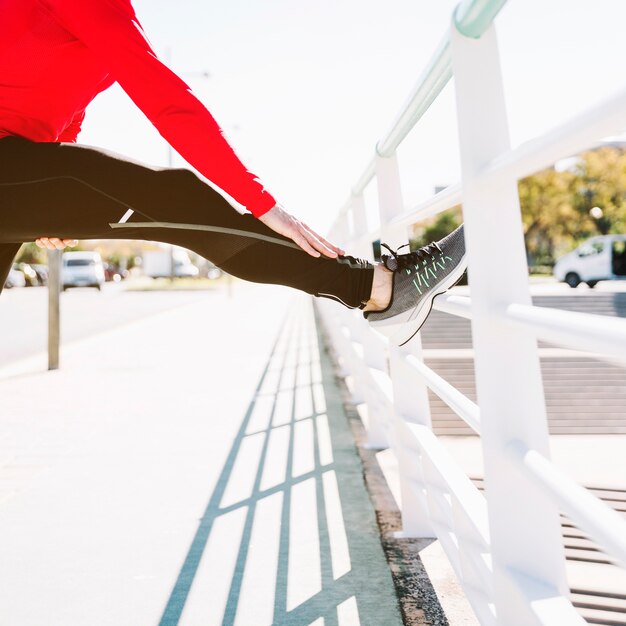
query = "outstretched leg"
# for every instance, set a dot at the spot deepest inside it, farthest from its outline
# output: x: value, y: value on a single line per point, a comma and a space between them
x: 71, y: 191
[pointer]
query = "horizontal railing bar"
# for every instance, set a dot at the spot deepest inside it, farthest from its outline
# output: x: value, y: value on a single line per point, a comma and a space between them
x: 582, y: 331
x: 459, y: 403
x: 472, y: 18
x: 442, y: 201
x: 461, y: 488
x: 581, y: 132
x: 454, y: 305
x: 368, y: 237
x: 429, y: 85
x: 365, y: 179
x: 590, y: 514
x: 601, y: 335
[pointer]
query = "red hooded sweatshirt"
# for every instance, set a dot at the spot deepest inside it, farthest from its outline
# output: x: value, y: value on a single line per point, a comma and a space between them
x: 57, y: 55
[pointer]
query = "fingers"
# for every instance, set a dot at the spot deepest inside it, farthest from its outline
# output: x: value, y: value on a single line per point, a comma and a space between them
x: 54, y: 243
x: 317, y: 242
x: 303, y: 242
x: 285, y: 224
x: 325, y: 243
x: 46, y: 242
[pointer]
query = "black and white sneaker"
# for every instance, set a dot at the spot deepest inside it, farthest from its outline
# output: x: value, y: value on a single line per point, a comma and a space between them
x: 418, y: 277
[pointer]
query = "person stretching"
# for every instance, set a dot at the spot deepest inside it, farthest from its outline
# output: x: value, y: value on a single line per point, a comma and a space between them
x: 55, y: 57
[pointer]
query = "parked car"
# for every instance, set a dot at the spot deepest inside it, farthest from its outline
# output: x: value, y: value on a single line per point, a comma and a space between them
x: 112, y: 273
x: 82, y: 269
x: 15, y: 278
x: 32, y: 279
x: 214, y: 273
x: 158, y: 264
x: 186, y: 269
x: 42, y: 272
x: 599, y: 258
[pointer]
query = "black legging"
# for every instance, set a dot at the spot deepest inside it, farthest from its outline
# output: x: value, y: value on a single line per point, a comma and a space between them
x: 75, y: 192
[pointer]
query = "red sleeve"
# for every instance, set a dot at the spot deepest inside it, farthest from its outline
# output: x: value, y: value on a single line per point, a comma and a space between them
x: 73, y: 128
x: 112, y: 31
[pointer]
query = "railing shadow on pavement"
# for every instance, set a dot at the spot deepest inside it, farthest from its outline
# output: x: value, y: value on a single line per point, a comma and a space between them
x: 312, y: 549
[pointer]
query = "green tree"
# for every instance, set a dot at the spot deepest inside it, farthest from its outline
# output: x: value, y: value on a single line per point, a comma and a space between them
x: 31, y: 253
x: 443, y: 225
x: 548, y: 215
x: 601, y: 182
x: 557, y: 206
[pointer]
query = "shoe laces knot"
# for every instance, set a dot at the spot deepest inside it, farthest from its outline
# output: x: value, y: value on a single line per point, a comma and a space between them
x: 409, y: 259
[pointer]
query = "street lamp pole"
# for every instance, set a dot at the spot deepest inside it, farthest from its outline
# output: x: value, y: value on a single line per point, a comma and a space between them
x: 54, y: 313
x: 172, y: 266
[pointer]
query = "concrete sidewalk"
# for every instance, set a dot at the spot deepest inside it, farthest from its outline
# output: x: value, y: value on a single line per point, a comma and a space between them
x: 191, y: 468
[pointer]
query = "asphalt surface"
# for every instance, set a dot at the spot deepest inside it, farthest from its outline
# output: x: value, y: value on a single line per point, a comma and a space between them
x: 24, y: 314
x: 192, y: 468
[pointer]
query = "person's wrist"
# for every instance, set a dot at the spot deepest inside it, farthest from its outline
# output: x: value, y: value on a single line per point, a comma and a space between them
x: 276, y: 205
x: 265, y: 207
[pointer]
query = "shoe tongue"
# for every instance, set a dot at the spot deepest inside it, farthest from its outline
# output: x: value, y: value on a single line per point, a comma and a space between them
x: 389, y: 262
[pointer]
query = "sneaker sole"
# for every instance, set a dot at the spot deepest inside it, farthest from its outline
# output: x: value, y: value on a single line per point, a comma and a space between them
x: 418, y: 315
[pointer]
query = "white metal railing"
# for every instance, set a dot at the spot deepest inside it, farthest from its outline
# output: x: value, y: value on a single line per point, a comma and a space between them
x: 505, y: 546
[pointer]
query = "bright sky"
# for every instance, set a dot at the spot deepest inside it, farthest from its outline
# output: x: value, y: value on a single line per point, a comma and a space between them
x: 303, y: 90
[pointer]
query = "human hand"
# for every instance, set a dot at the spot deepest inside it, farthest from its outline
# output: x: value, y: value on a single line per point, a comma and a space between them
x: 54, y: 243
x: 285, y: 224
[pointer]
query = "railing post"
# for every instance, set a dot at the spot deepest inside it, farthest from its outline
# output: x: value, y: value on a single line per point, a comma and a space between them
x: 341, y: 230
x: 415, y: 521
x: 379, y: 406
x: 524, y: 525
x: 411, y: 405
x: 390, y: 201
x: 374, y: 352
x: 359, y: 218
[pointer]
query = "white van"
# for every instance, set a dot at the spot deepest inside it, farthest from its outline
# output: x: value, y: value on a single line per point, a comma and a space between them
x: 598, y: 258
x: 82, y: 269
x: 158, y: 264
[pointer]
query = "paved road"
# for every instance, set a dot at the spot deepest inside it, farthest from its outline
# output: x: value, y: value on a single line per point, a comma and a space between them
x: 24, y: 314
x: 223, y: 492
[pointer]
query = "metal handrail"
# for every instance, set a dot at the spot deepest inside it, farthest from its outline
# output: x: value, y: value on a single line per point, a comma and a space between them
x: 472, y: 18
x: 533, y: 562
x: 429, y: 86
x: 467, y: 410
x: 580, y: 331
